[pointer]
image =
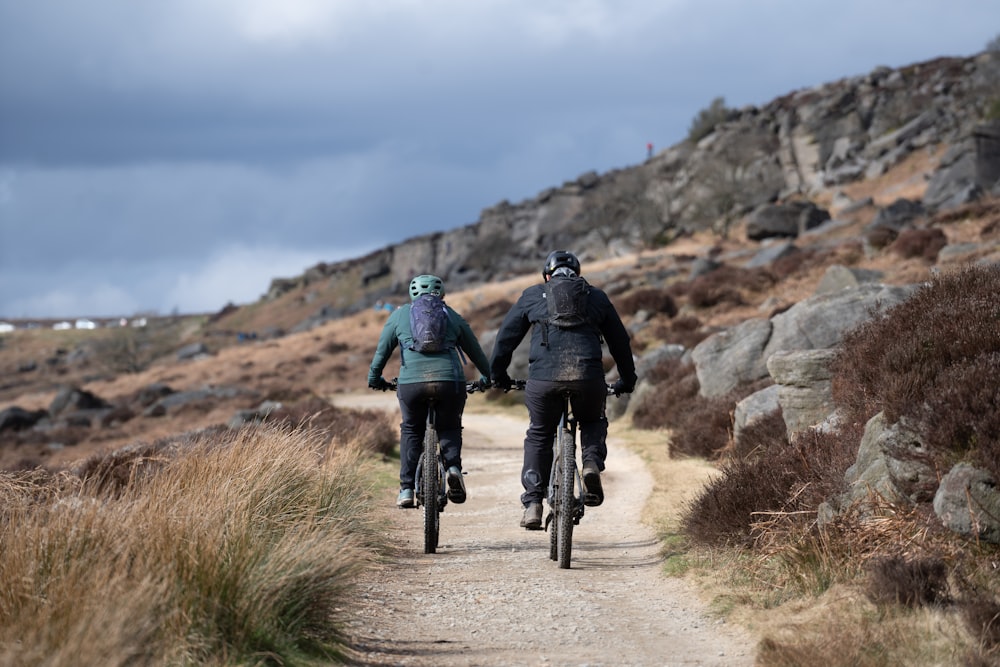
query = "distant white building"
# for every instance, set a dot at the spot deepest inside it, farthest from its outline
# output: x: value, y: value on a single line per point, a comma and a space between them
x: 84, y: 323
x: 6, y: 327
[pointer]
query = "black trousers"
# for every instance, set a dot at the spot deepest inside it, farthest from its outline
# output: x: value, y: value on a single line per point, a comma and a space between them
x: 544, y: 400
x: 414, y: 401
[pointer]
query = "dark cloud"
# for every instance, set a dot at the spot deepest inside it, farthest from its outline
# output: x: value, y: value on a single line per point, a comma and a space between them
x: 148, y: 150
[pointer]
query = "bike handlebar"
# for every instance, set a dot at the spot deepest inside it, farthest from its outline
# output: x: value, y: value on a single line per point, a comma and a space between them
x: 470, y: 387
x: 519, y: 386
x: 473, y: 387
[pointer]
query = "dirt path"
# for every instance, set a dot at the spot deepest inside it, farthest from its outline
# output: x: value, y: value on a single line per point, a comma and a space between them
x: 491, y: 596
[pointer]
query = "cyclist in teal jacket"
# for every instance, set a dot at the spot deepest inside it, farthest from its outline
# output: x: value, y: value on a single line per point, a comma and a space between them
x: 425, y: 376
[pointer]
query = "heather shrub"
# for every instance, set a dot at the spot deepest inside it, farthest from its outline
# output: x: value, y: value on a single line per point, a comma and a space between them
x: 676, y: 386
x: 724, y: 512
x: 722, y: 286
x: 903, y: 358
x: 761, y: 436
x: 881, y: 237
x: 648, y: 299
x: 700, y: 426
x: 914, y: 582
x: 684, y: 330
x: 774, y: 477
x: 922, y: 243
x: 960, y: 415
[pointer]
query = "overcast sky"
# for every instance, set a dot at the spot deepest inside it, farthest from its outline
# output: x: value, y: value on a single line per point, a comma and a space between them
x: 176, y: 155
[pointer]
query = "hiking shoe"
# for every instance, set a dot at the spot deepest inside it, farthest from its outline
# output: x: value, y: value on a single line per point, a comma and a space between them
x: 593, y: 492
x: 456, y: 486
x: 532, y: 519
x: 405, y: 499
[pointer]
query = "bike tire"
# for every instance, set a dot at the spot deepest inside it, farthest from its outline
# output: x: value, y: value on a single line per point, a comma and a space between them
x: 566, y: 498
x: 553, y: 527
x: 431, y: 486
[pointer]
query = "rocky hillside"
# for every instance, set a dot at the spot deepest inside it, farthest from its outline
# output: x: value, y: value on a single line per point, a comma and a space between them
x: 814, y: 147
x: 875, y: 180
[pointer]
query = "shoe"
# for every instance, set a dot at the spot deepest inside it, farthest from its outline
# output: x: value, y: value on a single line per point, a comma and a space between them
x: 593, y: 492
x: 532, y: 519
x: 405, y: 499
x: 456, y: 486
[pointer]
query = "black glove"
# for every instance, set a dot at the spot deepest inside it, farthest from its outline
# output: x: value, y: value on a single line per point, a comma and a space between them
x: 620, y: 388
x: 502, y: 381
x: 379, y: 384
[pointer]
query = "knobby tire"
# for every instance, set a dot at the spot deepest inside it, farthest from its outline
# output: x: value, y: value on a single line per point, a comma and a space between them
x: 556, y: 476
x: 566, y: 500
x: 431, y: 485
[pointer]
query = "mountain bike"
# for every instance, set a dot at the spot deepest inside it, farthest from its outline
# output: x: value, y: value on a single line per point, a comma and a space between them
x: 429, y: 487
x: 566, y: 491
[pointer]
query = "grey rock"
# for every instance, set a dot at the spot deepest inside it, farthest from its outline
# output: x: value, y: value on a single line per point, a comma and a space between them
x: 803, y: 382
x: 753, y: 408
x: 192, y: 351
x: 838, y: 277
x: 732, y: 357
x: 968, y: 503
x: 767, y: 256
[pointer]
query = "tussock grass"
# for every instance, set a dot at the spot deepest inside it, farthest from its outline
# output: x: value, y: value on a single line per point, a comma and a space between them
x: 238, y: 548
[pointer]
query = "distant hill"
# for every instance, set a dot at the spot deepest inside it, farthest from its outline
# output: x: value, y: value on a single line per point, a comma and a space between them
x: 813, y: 145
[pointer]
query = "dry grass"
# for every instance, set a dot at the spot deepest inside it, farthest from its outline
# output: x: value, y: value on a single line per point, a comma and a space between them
x: 233, y: 550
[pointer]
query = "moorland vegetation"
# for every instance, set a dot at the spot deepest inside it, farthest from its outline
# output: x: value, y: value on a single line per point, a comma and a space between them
x: 141, y: 531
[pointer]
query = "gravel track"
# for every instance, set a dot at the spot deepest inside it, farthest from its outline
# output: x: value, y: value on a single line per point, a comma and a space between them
x: 491, y: 596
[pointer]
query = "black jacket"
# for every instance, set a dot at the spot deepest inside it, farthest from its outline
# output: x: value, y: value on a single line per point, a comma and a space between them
x: 564, y: 354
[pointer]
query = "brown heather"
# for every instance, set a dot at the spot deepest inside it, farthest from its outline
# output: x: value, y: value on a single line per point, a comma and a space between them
x: 935, y: 359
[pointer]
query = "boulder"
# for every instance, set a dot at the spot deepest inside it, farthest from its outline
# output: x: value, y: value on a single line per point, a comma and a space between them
x: 784, y: 220
x: 739, y: 354
x: 838, y: 277
x: 897, y: 215
x: 16, y: 418
x: 731, y: 357
x: 754, y: 408
x: 968, y: 503
x: 803, y: 382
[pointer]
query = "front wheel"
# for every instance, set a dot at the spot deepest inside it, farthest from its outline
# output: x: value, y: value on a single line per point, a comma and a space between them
x: 430, y: 482
x: 551, y: 524
x: 566, y: 500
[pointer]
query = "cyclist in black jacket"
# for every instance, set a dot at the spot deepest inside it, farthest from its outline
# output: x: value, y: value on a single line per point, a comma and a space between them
x: 560, y: 358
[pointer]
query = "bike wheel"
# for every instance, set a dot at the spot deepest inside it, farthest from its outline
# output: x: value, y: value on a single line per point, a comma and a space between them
x: 566, y: 498
x: 553, y: 500
x: 430, y: 482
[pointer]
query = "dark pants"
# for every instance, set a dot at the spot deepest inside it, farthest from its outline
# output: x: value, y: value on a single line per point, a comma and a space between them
x: 544, y: 401
x: 449, y: 404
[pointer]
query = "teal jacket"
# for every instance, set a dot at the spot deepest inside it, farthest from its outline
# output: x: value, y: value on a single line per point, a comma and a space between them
x: 418, y: 367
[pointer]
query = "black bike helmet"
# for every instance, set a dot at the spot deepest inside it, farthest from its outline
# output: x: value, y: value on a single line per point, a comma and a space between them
x: 558, y: 259
x: 426, y: 285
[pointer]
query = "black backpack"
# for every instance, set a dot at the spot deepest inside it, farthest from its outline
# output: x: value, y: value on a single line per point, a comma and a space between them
x: 428, y: 324
x: 567, y: 298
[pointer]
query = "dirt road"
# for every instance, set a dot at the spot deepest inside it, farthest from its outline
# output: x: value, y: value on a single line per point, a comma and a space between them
x: 491, y: 596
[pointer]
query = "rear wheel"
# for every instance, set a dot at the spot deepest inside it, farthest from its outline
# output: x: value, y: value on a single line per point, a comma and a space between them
x: 553, y: 528
x: 430, y: 481
x: 566, y: 500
